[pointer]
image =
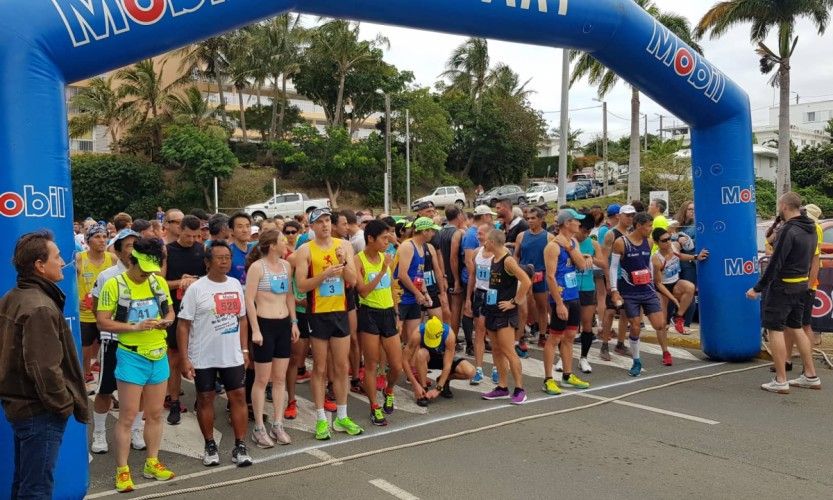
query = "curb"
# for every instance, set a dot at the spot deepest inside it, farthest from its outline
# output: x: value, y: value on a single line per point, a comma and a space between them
x: 691, y: 343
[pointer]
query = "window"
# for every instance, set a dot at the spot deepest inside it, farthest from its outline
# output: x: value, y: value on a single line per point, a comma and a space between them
x: 811, y: 116
x: 828, y: 235
x: 292, y: 197
x: 279, y: 199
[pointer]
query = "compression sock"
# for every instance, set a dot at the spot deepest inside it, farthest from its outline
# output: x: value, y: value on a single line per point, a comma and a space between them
x: 586, y: 342
x: 634, y: 342
x: 468, y: 330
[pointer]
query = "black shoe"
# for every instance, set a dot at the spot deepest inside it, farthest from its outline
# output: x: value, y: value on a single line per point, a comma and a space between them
x: 469, y: 350
x: 174, y: 415
x: 447, y: 394
x: 422, y: 402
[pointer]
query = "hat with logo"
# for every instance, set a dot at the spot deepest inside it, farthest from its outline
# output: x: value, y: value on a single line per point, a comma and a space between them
x: 627, y: 210
x: 433, y: 333
x: 484, y: 210
x: 95, y: 230
x: 424, y: 224
x: 813, y: 212
x: 147, y: 263
x: 318, y: 213
x: 568, y: 214
x: 613, y: 209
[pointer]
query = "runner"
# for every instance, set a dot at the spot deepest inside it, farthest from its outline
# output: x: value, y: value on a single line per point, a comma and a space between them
x: 656, y: 209
x: 218, y: 228
x: 89, y: 264
x: 469, y: 245
x: 137, y: 305
x: 626, y: 215
x: 173, y: 217
x: 451, y: 250
x: 417, y: 278
x: 508, y: 286
x: 341, y: 229
x: 529, y: 250
x: 436, y: 352
x: 323, y: 267
x: 271, y: 308
x: 377, y: 317
x: 479, y: 266
x: 213, y: 334
x: 670, y: 286
x: 513, y: 226
x: 587, y: 296
x: 563, y: 261
x: 634, y: 288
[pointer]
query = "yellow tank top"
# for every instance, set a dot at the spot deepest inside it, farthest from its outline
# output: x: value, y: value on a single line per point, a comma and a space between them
x: 330, y: 295
x: 381, y: 297
x: 87, y: 274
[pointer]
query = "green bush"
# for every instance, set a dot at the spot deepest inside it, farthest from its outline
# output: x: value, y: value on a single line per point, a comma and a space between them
x: 104, y: 185
x: 765, y: 198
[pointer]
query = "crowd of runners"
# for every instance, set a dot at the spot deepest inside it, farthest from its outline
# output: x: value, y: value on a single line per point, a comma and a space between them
x: 238, y: 307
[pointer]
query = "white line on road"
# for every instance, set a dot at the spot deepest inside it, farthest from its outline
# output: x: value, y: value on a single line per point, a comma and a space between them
x: 653, y: 409
x: 394, y: 490
x: 322, y: 455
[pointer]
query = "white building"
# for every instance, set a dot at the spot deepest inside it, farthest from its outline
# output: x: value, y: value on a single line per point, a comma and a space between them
x: 765, y: 160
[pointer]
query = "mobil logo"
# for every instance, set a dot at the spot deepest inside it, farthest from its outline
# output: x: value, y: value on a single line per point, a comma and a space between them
x: 823, y: 305
x: 687, y: 63
x: 740, y: 266
x: 33, y: 203
x: 95, y: 20
x: 735, y: 195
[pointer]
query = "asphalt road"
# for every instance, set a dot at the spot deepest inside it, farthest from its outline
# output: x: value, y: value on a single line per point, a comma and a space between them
x: 673, y: 434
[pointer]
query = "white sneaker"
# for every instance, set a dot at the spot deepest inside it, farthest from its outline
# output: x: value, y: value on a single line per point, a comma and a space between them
x: 807, y: 383
x: 776, y: 387
x: 99, y: 445
x: 559, y: 367
x: 137, y: 439
x: 584, y: 365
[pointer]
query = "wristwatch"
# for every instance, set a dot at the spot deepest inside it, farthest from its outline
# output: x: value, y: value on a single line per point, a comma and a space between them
x: 440, y: 388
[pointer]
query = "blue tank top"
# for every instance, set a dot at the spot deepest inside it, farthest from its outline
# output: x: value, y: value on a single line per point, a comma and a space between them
x: 532, y: 249
x: 566, y: 276
x: 415, y: 270
x: 636, y: 278
x: 440, y: 349
x: 238, y: 262
x: 586, y: 280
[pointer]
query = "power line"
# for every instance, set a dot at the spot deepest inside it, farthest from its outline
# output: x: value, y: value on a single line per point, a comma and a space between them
x: 570, y: 110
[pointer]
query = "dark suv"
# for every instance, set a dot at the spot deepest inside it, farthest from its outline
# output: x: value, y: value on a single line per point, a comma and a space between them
x: 510, y: 192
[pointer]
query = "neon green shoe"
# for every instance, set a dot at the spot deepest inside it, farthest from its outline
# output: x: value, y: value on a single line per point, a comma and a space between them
x: 154, y: 469
x: 576, y: 382
x: 347, y: 425
x: 322, y: 430
x: 124, y: 482
x: 551, y: 388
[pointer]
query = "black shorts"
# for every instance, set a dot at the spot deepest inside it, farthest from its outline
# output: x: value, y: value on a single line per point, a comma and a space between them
x: 89, y: 334
x: 277, y: 340
x: 499, y: 320
x: 352, y: 298
x: 435, y: 362
x: 435, y: 301
x: 107, y: 360
x: 380, y: 322
x: 670, y: 286
x: 573, y: 317
x: 410, y: 311
x: 303, y: 324
x: 325, y: 326
x: 171, y: 337
x: 478, y: 303
x: 610, y: 306
x: 783, y: 306
x: 587, y: 298
x: 232, y: 378
x: 809, y: 302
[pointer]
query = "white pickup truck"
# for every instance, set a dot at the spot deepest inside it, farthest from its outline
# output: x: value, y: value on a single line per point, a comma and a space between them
x: 285, y: 204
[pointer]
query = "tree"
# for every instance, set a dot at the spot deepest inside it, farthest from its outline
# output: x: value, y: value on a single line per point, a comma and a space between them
x: 829, y: 129
x: 145, y: 93
x: 240, y: 63
x: 191, y: 107
x: 201, y: 156
x: 468, y: 67
x: 431, y: 133
x: 208, y: 59
x: 104, y: 185
x: 98, y: 104
x: 764, y: 15
x: 598, y: 75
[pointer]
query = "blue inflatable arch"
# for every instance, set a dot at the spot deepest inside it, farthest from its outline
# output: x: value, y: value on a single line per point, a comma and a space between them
x: 46, y: 43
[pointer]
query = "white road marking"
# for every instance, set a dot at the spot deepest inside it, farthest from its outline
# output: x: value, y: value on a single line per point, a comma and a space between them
x: 186, y: 438
x: 653, y: 409
x: 392, y: 489
x: 322, y: 455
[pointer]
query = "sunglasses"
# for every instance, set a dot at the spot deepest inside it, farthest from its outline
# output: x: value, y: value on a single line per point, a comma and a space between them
x: 175, y: 221
x: 290, y: 233
x: 664, y: 240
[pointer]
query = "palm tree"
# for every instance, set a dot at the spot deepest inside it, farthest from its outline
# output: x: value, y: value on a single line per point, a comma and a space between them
x: 98, y: 104
x: 191, y: 107
x: 145, y: 93
x: 504, y: 82
x: 468, y: 67
x: 240, y: 67
x: 208, y: 58
x: 765, y: 15
x: 598, y: 75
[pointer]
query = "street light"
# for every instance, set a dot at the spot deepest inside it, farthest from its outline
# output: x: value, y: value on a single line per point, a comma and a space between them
x: 387, y: 150
x: 604, y: 143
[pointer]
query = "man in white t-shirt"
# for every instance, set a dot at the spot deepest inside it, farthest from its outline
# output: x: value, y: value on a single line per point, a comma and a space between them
x: 213, y: 331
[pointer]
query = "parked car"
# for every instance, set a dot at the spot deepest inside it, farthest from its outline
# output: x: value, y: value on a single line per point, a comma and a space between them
x: 445, y: 196
x: 580, y: 177
x: 285, y: 204
x: 512, y: 192
x: 542, y: 194
x: 827, y: 240
x: 593, y: 190
x: 577, y: 191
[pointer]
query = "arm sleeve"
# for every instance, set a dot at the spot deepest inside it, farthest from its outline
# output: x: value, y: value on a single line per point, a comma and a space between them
x: 614, y: 270
x: 43, y: 353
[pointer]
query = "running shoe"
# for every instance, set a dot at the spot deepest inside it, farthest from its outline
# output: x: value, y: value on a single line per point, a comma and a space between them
x: 636, y: 368
x: 261, y: 438
x: 388, y: 406
x: 240, y: 456
x: 679, y: 324
x: 604, y: 352
x: 551, y: 387
x: 347, y: 425
x: 522, y: 350
x: 622, y: 350
x: 478, y: 377
x: 584, y: 365
x: 99, y: 445
x: 469, y: 351
x: 446, y: 392
x: 559, y: 365
x: 211, y: 456
x: 519, y: 397
x: 377, y: 417
x: 174, y: 413
x: 776, y: 387
x: 495, y: 375
x: 269, y: 392
x: 496, y: 393
x: 322, y: 430
x: 277, y: 432
x: 423, y: 402
x: 329, y: 404
x: 124, y: 482
x: 303, y: 378
x: 291, y: 411
x: 806, y: 382
x: 218, y: 388
x: 575, y: 382
x: 381, y: 382
x: 154, y: 469
x: 356, y: 387
x: 137, y: 439
x: 666, y: 359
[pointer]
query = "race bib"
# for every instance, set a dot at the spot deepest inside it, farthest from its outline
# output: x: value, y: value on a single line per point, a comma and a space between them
x: 538, y: 277
x: 279, y: 283
x: 672, y: 270
x: 331, y: 287
x: 430, y: 279
x: 141, y: 310
x: 570, y: 280
x: 483, y: 273
x: 88, y: 302
x: 491, y: 297
x: 227, y: 303
x: 641, y: 277
x: 383, y: 283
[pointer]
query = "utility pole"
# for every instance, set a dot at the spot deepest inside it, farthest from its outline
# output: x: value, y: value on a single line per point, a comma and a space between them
x: 565, y: 126
x: 408, y: 157
x: 646, y: 131
x: 661, y: 137
x: 604, y: 147
x: 387, y: 154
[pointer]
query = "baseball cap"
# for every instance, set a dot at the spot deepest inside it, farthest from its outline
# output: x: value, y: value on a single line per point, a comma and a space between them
x: 567, y: 215
x: 318, y: 213
x: 813, y: 211
x: 433, y: 333
x: 255, y: 230
x: 627, y: 209
x: 424, y: 224
x: 147, y: 263
x: 94, y: 230
x: 484, y: 210
x: 125, y: 233
x: 422, y: 205
x: 613, y: 209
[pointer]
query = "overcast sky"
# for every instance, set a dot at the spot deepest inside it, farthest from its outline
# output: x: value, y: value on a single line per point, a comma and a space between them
x: 812, y: 74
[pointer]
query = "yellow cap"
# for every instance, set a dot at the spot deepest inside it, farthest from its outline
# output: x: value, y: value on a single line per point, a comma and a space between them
x: 147, y: 263
x: 433, y: 333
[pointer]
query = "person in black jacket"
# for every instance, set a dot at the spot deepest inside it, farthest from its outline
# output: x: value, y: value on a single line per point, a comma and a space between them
x: 784, y: 284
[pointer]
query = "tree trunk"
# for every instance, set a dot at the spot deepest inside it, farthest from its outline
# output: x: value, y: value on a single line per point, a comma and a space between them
x: 634, y: 167
x: 337, y: 122
x: 114, y: 143
x: 258, y: 89
x: 783, y: 182
x: 273, y: 126
x: 282, y: 114
x: 207, y: 198
x: 333, y: 194
x: 219, y: 77
x: 469, y: 162
x: 242, y: 114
